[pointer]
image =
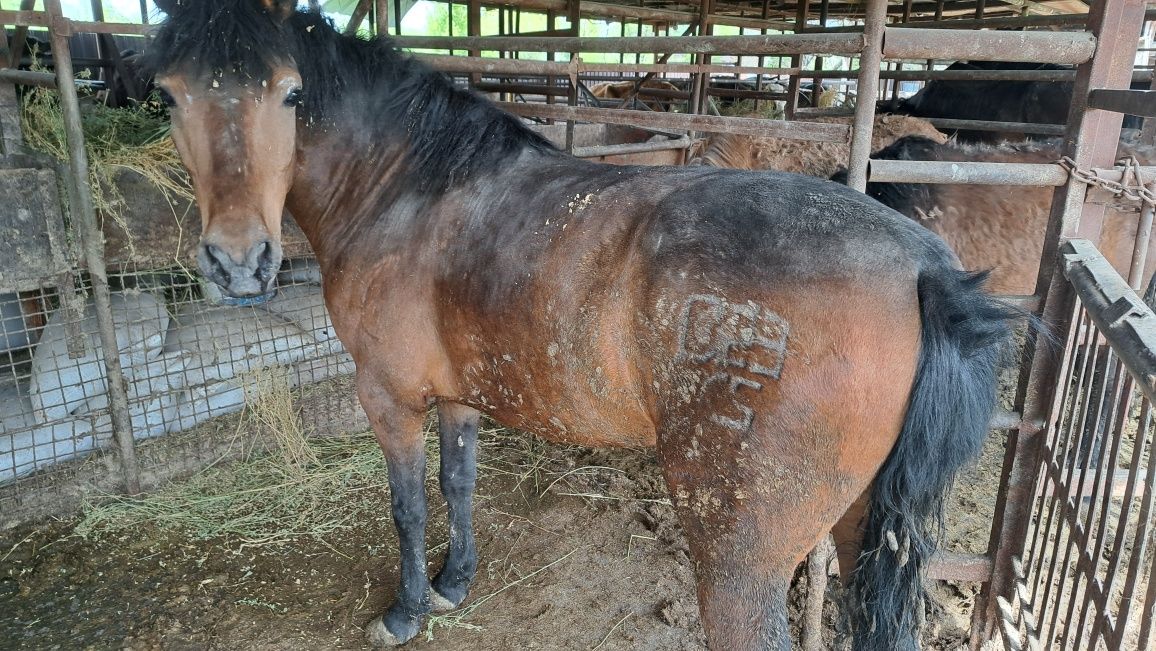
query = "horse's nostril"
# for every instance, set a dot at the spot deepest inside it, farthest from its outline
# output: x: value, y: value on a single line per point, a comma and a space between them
x: 264, y: 260
x: 217, y: 259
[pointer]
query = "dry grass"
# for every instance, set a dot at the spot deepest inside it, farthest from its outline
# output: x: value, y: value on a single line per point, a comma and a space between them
x: 116, y: 141
x: 292, y: 486
x: 768, y: 109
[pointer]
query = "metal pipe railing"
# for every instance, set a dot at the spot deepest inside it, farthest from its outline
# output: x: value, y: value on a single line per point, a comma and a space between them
x: 816, y: 131
x: 750, y: 44
x: 947, y: 172
x: 988, y: 45
x: 867, y: 91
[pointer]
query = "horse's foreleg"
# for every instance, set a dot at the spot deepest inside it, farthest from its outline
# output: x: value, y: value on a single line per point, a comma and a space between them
x: 399, y: 432
x: 458, y: 429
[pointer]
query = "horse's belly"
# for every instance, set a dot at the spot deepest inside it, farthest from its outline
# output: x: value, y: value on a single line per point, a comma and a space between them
x: 581, y: 420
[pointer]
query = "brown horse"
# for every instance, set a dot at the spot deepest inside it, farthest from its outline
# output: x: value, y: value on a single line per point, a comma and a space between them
x: 1001, y: 227
x: 793, y: 349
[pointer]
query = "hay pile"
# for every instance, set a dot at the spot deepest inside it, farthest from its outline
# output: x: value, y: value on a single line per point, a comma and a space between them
x: 117, y: 141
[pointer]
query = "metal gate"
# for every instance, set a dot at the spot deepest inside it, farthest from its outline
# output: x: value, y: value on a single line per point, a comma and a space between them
x: 1084, y: 580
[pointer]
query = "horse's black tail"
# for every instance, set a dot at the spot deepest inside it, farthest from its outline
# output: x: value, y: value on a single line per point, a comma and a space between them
x: 965, y: 342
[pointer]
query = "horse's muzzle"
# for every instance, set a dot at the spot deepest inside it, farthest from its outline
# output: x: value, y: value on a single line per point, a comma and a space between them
x: 241, y: 274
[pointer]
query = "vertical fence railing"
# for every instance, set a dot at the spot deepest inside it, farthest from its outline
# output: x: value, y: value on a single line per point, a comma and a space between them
x: 1085, y: 579
x: 1090, y: 140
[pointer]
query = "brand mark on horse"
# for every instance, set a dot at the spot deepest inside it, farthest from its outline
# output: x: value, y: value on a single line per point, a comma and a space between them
x: 744, y: 342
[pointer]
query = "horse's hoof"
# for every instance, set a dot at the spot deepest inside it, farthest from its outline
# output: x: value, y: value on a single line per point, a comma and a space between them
x: 379, y: 636
x: 438, y: 603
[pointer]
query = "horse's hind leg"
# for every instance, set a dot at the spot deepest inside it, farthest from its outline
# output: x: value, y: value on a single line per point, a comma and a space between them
x: 752, y: 508
x: 399, y: 432
x: 458, y: 431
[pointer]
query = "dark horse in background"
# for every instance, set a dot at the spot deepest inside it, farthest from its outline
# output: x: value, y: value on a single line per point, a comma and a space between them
x: 802, y: 357
x: 1036, y: 102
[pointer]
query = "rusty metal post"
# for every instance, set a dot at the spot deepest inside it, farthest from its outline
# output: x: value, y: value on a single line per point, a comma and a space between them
x: 574, y: 15
x: 474, y: 29
x: 698, y: 98
x: 866, y: 91
x: 1148, y: 132
x: 84, y: 215
x: 797, y: 62
x: 358, y: 15
x: 1140, y: 250
x: 381, y: 16
x: 1091, y: 142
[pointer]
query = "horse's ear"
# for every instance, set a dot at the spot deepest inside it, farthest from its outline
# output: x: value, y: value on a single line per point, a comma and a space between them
x: 279, y: 9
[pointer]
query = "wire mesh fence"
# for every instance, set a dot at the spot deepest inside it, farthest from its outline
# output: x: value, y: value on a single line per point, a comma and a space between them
x: 187, y: 360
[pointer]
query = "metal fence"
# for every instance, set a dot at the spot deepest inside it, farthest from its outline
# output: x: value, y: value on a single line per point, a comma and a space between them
x: 1085, y: 578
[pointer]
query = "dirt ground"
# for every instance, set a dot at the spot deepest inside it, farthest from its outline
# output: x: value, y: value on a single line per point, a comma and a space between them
x: 578, y: 548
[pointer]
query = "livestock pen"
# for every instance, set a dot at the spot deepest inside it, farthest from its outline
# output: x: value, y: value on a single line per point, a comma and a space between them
x: 1065, y: 559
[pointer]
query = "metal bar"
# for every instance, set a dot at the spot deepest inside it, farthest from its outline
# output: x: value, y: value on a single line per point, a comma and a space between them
x: 1120, y: 315
x: 1143, y: 538
x: 816, y: 81
x: 1090, y: 354
x: 1118, y: 482
x: 381, y: 16
x: 1148, y: 131
x: 748, y: 44
x: 1070, y: 370
x: 1116, y: 174
x: 796, y: 62
x: 359, y: 13
x: 1120, y: 393
x: 574, y: 18
x: 650, y: 14
x: 984, y: 125
x: 987, y: 23
x: 816, y: 131
x: 631, y: 148
x: 867, y: 91
x: 1130, y: 102
x: 84, y: 216
x: 905, y: 171
x: 1140, y: 248
x: 1130, y: 495
x: 988, y: 45
x: 971, y: 75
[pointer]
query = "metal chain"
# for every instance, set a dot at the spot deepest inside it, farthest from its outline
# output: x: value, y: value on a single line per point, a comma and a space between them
x: 1131, y: 185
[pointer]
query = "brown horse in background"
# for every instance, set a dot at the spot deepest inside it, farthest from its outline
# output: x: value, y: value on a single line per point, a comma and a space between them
x: 802, y: 357
x: 1001, y: 227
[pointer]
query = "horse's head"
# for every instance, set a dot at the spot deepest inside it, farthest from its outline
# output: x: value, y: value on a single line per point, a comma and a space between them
x: 226, y: 69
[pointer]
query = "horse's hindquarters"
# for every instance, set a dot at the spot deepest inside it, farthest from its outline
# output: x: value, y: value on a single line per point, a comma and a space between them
x: 778, y: 415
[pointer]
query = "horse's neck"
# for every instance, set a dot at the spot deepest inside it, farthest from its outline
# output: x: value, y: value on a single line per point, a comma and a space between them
x: 338, y: 183
x: 347, y: 192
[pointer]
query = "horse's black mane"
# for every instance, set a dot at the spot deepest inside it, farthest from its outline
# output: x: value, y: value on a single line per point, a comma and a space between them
x: 451, y: 133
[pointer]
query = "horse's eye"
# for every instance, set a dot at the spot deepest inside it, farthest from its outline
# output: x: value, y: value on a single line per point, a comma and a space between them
x: 293, y: 98
x: 166, y: 98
